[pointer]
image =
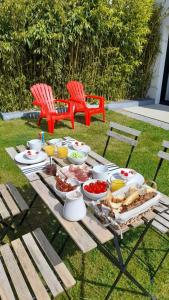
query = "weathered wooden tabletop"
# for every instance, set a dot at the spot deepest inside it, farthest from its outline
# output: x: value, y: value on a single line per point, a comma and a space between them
x: 90, y: 229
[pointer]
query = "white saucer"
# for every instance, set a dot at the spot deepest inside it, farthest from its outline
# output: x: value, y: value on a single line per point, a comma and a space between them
x: 135, y: 178
x: 22, y: 159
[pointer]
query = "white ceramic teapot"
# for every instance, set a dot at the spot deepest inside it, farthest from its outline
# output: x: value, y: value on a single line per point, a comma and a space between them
x: 74, y: 208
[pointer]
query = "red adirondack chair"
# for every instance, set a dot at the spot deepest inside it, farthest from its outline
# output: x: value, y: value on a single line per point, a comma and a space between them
x: 43, y: 97
x: 78, y: 97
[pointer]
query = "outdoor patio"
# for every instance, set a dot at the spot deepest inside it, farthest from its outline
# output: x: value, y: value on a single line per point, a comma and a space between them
x: 93, y: 272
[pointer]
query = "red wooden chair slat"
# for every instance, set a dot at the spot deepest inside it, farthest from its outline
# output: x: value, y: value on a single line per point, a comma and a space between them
x: 43, y: 97
x: 78, y: 97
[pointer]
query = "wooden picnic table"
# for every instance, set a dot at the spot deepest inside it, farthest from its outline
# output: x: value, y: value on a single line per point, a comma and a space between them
x: 90, y: 232
x: 39, y: 180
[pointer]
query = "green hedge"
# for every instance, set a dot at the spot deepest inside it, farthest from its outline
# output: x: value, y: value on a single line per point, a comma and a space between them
x: 105, y: 44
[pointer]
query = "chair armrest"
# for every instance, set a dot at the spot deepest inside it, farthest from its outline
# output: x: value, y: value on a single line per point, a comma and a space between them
x: 61, y: 100
x: 101, y: 99
x: 75, y: 100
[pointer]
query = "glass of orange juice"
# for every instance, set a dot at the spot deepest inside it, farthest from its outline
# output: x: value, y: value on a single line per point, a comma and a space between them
x: 117, y: 184
x: 50, y: 150
x: 62, y: 151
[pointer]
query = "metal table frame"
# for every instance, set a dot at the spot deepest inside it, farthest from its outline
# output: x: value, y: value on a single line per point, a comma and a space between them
x: 121, y: 264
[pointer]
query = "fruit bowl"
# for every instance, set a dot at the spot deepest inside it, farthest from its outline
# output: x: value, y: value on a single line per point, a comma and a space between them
x: 31, y: 154
x: 77, y: 157
x: 95, y: 189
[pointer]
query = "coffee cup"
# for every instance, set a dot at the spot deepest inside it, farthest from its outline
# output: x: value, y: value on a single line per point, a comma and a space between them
x: 100, y: 172
x: 35, y: 145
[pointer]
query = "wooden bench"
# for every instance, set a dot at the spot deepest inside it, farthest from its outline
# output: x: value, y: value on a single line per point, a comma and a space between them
x: 12, y: 205
x: 31, y: 269
x: 115, y: 132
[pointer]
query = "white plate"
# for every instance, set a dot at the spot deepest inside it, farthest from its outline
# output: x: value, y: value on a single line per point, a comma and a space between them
x: 67, y: 167
x: 56, y: 142
x: 132, y: 213
x: 21, y: 158
x: 135, y: 178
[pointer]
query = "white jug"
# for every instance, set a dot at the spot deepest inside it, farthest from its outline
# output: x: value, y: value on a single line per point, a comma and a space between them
x: 74, y: 208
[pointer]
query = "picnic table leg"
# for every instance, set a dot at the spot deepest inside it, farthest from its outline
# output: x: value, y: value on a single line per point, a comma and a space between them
x: 160, y: 264
x: 27, y: 211
x: 123, y: 270
x: 6, y: 228
x: 65, y: 241
x: 163, y: 258
x: 56, y: 232
x: 122, y: 266
x: 5, y: 224
x: 63, y: 246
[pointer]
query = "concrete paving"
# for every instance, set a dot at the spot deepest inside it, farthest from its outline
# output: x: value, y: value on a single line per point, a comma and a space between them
x: 158, y: 112
x: 156, y: 115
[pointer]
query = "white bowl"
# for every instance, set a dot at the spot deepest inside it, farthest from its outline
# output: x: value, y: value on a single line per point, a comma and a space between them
x: 63, y: 194
x: 93, y: 196
x: 79, y: 160
x: 79, y: 146
x: 31, y: 154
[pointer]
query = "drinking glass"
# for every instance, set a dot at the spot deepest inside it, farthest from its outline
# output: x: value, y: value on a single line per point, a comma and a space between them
x: 62, y: 151
x: 50, y: 169
x: 117, y: 184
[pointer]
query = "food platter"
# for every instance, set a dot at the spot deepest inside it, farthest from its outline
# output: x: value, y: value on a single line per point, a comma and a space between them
x: 141, y: 206
x: 128, y: 202
x: 81, y: 173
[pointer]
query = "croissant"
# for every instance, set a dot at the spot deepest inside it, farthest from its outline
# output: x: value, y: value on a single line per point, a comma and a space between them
x: 131, y: 198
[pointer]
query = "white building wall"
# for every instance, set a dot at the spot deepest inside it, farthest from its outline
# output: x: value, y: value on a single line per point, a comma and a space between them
x: 167, y: 91
x: 154, y: 91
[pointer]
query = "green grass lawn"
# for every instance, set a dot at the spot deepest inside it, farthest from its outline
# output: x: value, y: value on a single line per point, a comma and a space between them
x: 93, y: 272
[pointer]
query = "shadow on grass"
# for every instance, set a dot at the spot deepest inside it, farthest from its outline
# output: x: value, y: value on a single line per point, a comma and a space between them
x: 61, y: 124
x: 43, y: 126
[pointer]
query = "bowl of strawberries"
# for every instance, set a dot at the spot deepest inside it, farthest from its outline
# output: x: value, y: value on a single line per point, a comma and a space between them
x: 95, y: 189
